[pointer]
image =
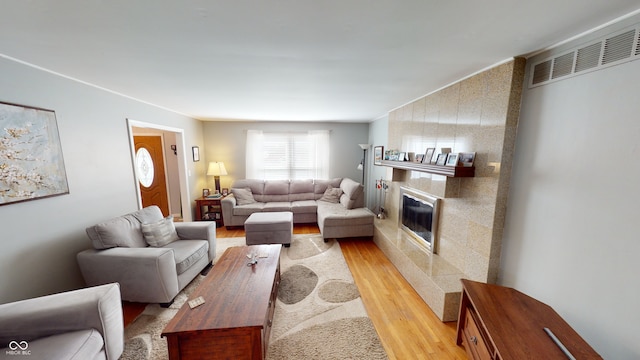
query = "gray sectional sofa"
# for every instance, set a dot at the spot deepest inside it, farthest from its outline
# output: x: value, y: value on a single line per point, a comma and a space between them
x: 337, y: 205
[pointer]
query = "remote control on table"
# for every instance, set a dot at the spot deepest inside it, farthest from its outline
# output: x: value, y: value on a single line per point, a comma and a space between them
x: 196, y: 302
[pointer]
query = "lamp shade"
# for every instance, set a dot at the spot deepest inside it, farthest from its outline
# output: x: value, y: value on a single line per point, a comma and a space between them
x: 216, y: 169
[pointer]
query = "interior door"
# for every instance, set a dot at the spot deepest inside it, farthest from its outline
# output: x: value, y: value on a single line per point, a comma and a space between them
x: 149, y: 163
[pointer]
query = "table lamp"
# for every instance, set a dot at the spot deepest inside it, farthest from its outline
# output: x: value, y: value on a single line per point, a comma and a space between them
x: 216, y: 169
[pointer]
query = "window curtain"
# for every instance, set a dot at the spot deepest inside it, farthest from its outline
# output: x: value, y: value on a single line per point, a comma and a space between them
x: 287, y: 155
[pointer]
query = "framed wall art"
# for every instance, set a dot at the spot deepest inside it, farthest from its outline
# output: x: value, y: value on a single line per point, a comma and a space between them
x: 31, y: 162
x: 378, y: 153
x: 196, y: 153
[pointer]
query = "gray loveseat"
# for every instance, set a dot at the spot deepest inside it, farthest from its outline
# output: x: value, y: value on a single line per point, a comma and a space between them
x: 149, y: 256
x: 80, y: 324
x: 337, y: 205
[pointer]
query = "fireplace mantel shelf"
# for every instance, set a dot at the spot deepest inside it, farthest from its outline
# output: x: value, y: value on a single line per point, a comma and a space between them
x: 449, y: 171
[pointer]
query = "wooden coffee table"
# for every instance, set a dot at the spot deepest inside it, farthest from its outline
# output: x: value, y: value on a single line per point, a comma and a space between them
x: 235, y: 320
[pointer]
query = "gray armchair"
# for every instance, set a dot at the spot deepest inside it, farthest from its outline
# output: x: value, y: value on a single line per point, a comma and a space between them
x: 79, y: 324
x: 149, y: 256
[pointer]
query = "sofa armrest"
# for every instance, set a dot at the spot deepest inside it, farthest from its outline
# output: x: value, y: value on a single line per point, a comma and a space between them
x: 227, y: 204
x: 199, y: 230
x: 97, y: 307
x: 156, y: 277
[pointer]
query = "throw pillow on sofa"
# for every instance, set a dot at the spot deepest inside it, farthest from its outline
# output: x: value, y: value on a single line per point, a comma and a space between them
x: 331, y: 195
x: 160, y: 233
x: 243, y: 196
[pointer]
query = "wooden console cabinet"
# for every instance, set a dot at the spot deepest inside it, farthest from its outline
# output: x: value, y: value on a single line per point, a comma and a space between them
x: 497, y: 322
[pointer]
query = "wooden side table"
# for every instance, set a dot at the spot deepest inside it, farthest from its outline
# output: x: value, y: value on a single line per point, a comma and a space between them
x: 213, y: 211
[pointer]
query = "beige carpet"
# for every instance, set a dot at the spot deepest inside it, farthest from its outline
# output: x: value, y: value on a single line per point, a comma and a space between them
x: 319, y: 313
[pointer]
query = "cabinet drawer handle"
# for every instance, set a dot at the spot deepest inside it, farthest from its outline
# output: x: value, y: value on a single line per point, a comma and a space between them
x: 474, y: 340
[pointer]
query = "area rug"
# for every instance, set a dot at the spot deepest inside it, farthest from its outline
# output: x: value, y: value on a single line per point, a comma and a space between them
x: 318, y: 315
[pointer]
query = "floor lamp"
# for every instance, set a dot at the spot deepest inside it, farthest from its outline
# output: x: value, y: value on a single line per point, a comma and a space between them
x: 363, y: 164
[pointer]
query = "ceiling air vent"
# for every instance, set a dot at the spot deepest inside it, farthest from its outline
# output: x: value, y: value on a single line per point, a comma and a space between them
x: 562, y: 65
x: 618, y: 47
x: 588, y: 57
x: 541, y: 72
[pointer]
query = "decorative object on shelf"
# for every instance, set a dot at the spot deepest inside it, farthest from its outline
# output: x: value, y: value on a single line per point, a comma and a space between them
x: 216, y: 169
x: 363, y: 162
x: 378, y: 152
x: 195, y: 151
x: 452, y: 160
x: 428, y: 155
x: 419, y: 158
x: 445, y: 150
x: 32, y: 162
x: 466, y: 158
x: 442, y: 159
x: 449, y: 171
x: 411, y: 156
x: 401, y: 156
x: 205, y: 192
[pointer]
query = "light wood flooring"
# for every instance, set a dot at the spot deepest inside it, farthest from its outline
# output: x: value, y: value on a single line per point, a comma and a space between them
x: 407, y: 327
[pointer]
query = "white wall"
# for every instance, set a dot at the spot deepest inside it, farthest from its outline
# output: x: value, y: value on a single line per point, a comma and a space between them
x: 571, y: 236
x: 378, y: 136
x: 40, y: 238
x: 225, y: 141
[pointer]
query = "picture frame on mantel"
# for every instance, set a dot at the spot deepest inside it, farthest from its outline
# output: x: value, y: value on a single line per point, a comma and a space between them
x: 442, y: 159
x: 466, y: 158
x: 452, y: 159
x: 378, y: 153
x: 428, y: 155
x: 31, y: 153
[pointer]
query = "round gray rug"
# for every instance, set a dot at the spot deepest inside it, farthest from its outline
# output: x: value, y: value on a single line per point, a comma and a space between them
x: 296, y: 284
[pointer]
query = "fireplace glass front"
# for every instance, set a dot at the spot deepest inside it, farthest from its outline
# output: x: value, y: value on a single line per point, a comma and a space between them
x: 419, y: 217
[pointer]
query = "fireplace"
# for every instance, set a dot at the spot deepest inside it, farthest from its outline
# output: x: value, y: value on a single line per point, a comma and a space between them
x: 418, y: 217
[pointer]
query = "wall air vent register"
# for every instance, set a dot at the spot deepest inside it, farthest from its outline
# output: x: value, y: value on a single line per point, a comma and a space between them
x: 610, y: 50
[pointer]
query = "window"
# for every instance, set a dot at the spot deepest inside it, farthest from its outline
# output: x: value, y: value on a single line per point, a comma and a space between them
x: 287, y: 155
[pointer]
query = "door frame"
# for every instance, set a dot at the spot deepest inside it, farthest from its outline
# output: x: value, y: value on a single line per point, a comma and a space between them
x: 183, y: 174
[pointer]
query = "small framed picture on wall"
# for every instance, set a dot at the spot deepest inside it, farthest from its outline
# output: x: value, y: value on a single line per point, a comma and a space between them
x: 196, y: 153
x: 378, y: 153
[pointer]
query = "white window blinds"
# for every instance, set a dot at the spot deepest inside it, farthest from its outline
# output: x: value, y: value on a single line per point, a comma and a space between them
x: 287, y: 155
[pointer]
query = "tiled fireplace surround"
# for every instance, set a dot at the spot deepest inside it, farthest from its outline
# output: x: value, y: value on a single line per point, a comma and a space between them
x: 478, y: 114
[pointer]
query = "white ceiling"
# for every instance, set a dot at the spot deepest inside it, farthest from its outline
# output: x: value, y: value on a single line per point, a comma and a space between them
x: 324, y: 60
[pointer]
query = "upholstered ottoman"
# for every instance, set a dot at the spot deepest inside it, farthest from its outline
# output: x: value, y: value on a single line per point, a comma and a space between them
x: 269, y: 228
